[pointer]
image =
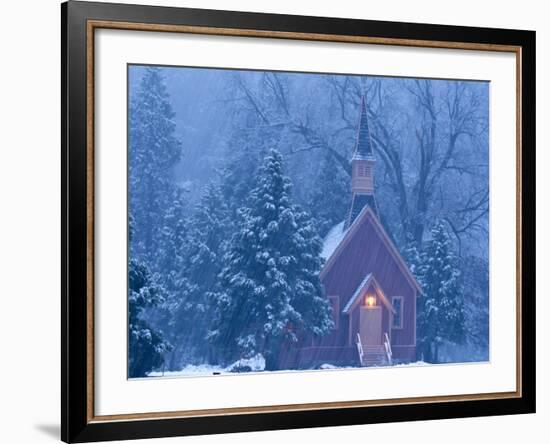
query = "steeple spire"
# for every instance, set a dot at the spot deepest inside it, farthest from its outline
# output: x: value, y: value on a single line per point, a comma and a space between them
x: 363, y: 143
x: 362, y: 167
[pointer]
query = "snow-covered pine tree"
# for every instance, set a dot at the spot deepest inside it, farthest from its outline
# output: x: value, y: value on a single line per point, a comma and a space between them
x: 248, y: 142
x: 146, y: 345
x: 202, y: 259
x: 153, y: 152
x: 156, y: 203
x: 245, y: 151
x: 309, y: 299
x: 413, y: 257
x: 238, y: 178
x: 168, y: 257
x: 440, y: 315
x: 476, y: 303
x: 327, y: 204
x: 269, y: 288
x: 171, y: 239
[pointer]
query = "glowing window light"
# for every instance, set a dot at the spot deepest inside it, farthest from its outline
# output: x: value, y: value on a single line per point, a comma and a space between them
x: 370, y: 300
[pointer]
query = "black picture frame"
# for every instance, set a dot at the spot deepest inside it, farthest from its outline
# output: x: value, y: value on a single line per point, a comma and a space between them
x: 76, y: 423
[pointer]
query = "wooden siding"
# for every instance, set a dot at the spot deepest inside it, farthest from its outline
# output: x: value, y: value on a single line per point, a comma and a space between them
x: 366, y: 250
x: 335, y: 307
x: 367, y: 253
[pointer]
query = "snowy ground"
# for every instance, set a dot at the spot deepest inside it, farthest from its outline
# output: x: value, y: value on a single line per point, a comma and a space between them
x: 255, y: 364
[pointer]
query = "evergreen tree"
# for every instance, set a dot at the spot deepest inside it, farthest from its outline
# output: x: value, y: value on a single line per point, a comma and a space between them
x: 476, y: 288
x: 146, y: 346
x: 413, y: 257
x: 168, y: 257
x: 328, y: 203
x: 440, y: 316
x: 238, y: 179
x: 153, y: 152
x: 240, y: 171
x: 156, y: 203
x: 171, y: 238
x: 270, y: 289
x: 250, y: 139
x: 202, y: 261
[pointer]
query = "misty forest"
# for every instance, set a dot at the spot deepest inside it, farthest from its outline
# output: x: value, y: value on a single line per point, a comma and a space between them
x: 237, y: 177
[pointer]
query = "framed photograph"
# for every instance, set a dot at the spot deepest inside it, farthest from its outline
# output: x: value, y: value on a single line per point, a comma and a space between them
x: 276, y: 221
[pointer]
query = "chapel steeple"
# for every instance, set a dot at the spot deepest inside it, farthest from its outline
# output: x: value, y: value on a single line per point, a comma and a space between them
x: 362, y: 169
x: 363, y: 143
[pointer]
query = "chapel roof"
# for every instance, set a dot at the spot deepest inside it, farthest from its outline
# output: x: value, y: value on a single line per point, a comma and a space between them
x: 358, y: 202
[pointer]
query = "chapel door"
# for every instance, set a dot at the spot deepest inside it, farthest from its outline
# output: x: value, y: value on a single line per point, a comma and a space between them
x: 370, y: 325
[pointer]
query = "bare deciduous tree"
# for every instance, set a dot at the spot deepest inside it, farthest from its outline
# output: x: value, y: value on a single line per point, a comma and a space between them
x: 429, y: 136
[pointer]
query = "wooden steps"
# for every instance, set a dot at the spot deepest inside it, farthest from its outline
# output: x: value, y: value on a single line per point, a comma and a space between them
x: 374, y: 355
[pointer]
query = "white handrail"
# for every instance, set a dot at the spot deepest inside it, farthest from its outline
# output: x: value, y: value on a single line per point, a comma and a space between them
x: 360, y: 349
x: 387, y: 346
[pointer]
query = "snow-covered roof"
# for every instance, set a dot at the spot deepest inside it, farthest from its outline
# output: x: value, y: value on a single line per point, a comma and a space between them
x: 333, y: 239
x: 356, y: 293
